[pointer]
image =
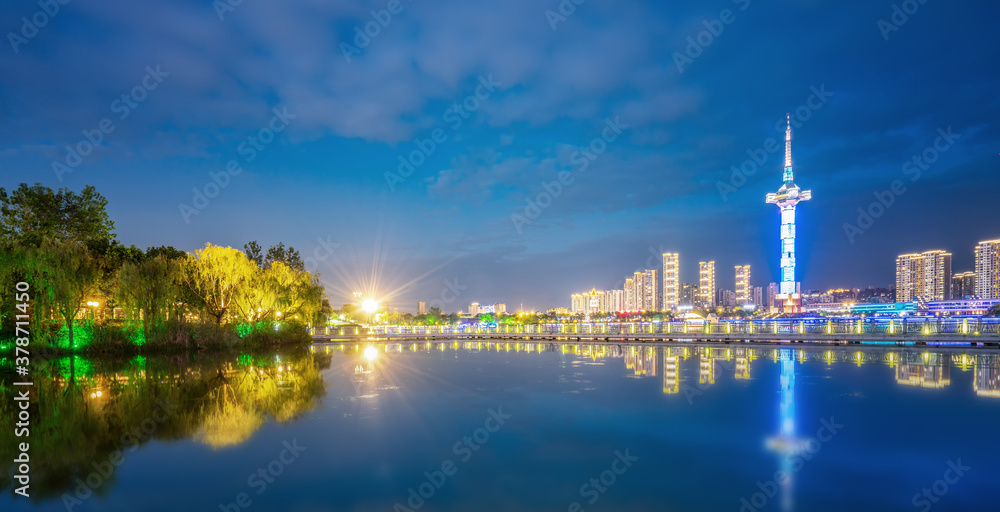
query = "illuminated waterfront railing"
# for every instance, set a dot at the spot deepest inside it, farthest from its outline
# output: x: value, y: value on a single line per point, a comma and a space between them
x: 972, y: 326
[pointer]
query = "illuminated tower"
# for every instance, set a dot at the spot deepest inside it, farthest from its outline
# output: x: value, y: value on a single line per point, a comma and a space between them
x: 786, y: 198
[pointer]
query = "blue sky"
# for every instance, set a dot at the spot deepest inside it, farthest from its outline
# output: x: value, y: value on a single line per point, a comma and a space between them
x: 201, y: 86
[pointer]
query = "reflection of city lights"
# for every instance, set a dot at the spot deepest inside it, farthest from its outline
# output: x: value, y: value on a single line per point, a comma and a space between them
x: 371, y: 353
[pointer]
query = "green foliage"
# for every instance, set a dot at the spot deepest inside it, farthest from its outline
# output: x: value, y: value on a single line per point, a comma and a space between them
x: 31, y: 215
x: 63, y: 274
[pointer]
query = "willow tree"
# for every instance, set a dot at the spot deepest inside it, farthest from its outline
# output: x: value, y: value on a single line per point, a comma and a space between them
x: 216, y: 276
x: 147, y: 290
x: 63, y: 273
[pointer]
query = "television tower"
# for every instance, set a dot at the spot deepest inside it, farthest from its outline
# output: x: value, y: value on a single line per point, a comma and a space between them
x: 786, y: 198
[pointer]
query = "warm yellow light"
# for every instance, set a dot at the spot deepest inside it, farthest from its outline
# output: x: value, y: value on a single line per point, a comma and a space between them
x: 371, y: 353
x: 369, y: 305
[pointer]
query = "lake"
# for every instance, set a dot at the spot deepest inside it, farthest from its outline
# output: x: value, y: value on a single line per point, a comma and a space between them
x: 465, y: 426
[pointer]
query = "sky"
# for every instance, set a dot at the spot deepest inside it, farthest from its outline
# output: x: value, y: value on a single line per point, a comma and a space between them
x: 550, y: 147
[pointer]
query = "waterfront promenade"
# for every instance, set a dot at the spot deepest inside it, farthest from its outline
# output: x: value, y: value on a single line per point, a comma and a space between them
x: 971, y: 331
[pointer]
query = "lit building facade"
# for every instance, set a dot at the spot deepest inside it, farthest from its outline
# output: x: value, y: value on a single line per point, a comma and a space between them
x: 594, y: 301
x: 671, y: 281
x: 787, y: 197
x: 758, y: 296
x: 629, y: 295
x: 925, y: 276
x: 706, y: 284
x: 743, y: 290
x: 651, y: 290
x: 474, y: 308
x: 421, y: 308
x: 963, y: 285
x: 988, y: 269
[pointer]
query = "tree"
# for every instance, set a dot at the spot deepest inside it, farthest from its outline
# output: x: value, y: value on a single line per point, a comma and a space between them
x: 275, y: 253
x: 254, y: 253
x: 64, y: 273
x: 30, y: 215
x: 216, y: 275
x: 289, y: 257
x: 148, y: 289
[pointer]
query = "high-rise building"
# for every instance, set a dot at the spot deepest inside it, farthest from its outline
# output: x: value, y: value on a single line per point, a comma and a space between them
x: 671, y: 281
x: 988, y: 269
x: 743, y: 290
x: 500, y: 308
x: 725, y: 298
x: 629, y: 294
x: 758, y: 296
x: 772, y: 296
x: 614, y: 301
x: 651, y: 290
x: 689, y: 294
x: 925, y: 276
x: 594, y: 301
x: 474, y: 308
x: 421, y: 308
x: 706, y: 284
x: 963, y: 285
x: 639, y: 291
x: 786, y: 198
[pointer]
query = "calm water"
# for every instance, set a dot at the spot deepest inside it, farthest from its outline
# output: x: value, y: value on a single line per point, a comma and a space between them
x: 501, y: 427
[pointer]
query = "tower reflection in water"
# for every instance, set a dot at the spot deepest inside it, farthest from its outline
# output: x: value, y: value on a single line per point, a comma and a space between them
x: 785, y: 443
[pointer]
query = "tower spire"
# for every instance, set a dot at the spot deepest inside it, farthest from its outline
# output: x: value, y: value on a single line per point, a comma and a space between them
x: 788, y: 150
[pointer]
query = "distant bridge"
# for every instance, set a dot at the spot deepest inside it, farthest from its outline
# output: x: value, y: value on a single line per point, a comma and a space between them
x: 972, y: 331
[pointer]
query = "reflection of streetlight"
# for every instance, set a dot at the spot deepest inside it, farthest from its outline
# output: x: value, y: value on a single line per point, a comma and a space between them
x: 371, y: 353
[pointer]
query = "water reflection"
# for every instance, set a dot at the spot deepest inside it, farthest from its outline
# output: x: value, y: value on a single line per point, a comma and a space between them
x: 925, y: 369
x: 88, y: 414
x: 86, y: 410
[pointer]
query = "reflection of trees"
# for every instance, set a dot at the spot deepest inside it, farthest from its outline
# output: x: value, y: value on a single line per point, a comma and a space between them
x: 81, y: 419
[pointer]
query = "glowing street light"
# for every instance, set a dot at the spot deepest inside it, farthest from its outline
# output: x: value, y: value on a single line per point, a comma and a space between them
x: 369, y: 305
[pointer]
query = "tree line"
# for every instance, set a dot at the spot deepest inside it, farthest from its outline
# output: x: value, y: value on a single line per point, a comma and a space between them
x: 63, y: 244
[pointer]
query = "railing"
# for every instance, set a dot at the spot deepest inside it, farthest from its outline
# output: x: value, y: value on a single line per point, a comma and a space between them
x: 846, y: 326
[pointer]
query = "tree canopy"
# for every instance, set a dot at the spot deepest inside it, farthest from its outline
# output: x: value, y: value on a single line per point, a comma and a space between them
x: 32, y: 214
